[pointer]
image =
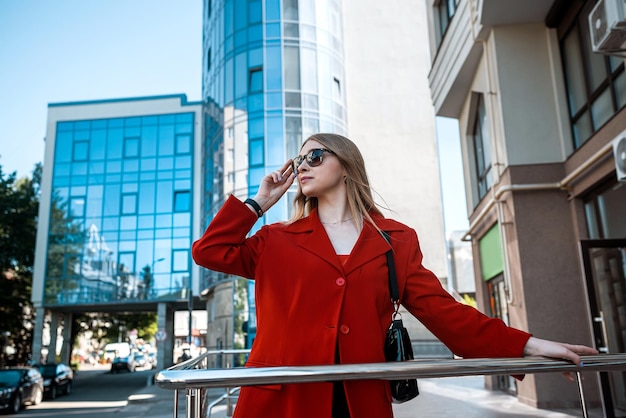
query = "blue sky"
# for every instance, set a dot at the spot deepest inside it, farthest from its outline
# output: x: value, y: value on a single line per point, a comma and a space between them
x: 71, y: 50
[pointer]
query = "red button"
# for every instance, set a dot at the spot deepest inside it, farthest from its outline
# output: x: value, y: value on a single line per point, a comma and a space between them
x: 344, y: 329
x: 340, y: 281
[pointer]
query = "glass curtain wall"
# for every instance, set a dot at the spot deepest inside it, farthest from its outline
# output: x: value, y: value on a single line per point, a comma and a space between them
x: 273, y: 75
x: 120, y: 219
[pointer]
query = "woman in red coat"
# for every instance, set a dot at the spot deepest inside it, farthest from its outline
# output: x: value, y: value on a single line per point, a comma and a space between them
x: 321, y: 286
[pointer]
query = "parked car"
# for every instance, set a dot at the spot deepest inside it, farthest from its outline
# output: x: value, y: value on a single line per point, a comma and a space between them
x: 141, y: 360
x: 57, y: 378
x: 123, y: 363
x: 152, y: 360
x: 20, y: 386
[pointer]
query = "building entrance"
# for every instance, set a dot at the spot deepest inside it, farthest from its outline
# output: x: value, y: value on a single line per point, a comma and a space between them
x: 604, y: 262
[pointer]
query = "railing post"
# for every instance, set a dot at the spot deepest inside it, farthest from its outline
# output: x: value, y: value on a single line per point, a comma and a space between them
x: 193, y: 403
x: 176, y: 403
x: 229, y: 403
x: 581, y: 394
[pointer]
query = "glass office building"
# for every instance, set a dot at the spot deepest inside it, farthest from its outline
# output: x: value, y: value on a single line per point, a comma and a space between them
x: 120, y: 221
x: 118, y: 208
x: 273, y: 74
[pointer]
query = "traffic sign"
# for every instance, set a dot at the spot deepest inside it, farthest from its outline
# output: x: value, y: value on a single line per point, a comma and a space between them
x: 160, y: 335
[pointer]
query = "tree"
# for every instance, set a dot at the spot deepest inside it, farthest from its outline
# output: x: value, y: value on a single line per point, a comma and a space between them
x: 19, y: 206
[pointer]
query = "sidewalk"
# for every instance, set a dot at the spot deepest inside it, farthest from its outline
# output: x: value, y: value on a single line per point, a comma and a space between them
x: 441, y: 398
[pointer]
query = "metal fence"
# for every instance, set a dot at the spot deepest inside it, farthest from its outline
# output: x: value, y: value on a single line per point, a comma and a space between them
x: 195, y: 380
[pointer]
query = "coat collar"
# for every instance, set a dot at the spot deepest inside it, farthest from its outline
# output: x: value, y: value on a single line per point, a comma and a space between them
x: 309, y: 234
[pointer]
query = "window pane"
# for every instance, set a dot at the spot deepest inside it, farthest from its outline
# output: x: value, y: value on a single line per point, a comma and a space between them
x: 77, y: 207
x: 602, y: 109
x: 256, y: 80
x: 115, y: 143
x: 228, y: 82
x: 620, y: 90
x: 574, y: 73
x: 181, y: 260
x: 272, y: 9
x: 129, y: 204
x: 241, y: 75
x: 98, y: 144
x: 292, y: 68
x: 582, y: 129
x: 290, y: 9
x: 166, y: 140
x: 81, y: 151
x: 256, y: 152
x: 131, y: 147
x: 309, y: 73
x: 181, y: 201
x: 164, y: 197
x: 254, y: 11
x: 148, y: 141
x: 183, y: 144
x: 596, y: 63
x: 255, y: 128
x: 273, y: 64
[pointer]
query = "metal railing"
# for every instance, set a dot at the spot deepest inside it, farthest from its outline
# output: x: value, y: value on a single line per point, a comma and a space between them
x: 194, y: 381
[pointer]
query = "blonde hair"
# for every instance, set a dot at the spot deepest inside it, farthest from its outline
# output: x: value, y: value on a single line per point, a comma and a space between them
x: 359, y: 192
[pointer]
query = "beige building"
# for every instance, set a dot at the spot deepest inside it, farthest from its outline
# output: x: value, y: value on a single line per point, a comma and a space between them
x: 541, y: 116
x: 391, y: 117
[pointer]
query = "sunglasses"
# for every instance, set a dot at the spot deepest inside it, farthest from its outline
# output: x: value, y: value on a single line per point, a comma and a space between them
x: 313, y: 158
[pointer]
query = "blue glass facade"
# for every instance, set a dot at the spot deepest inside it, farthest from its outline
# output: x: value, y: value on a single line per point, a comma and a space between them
x: 273, y: 75
x: 121, y: 210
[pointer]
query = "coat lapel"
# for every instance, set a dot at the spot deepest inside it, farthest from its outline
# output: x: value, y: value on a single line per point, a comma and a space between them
x: 310, y: 235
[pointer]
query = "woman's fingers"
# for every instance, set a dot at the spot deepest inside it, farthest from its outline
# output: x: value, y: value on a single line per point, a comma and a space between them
x: 283, y: 173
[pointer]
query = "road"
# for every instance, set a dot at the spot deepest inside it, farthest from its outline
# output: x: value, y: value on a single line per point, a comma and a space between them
x: 96, y: 393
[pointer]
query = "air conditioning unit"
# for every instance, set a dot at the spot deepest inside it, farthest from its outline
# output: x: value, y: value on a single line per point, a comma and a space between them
x: 607, y: 27
x: 619, y: 154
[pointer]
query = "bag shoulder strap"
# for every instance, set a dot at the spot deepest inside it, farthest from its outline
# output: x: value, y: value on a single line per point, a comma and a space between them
x: 391, y: 268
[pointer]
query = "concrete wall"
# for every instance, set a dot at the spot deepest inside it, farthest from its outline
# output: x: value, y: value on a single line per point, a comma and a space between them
x: 391, y: 116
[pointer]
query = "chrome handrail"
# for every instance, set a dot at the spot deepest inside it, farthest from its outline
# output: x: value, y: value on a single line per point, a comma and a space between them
x: 250, y: 376
x: 194, y: 380
x: 194, y: 404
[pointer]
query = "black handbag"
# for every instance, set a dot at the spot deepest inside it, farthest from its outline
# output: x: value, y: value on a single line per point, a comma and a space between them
x: 397, y: 341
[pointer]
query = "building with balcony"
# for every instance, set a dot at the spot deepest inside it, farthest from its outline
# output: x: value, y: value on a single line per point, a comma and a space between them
x: 540, y: 116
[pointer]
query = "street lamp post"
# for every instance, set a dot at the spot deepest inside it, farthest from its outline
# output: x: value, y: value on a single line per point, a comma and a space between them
x: 190, y: 308
x: 150, y: 286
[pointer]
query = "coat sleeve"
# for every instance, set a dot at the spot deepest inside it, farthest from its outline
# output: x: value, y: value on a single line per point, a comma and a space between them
x: 463, y: 329
x: 224, y: 246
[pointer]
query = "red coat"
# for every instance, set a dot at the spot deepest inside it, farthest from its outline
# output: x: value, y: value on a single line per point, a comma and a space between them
x: 308, y: 304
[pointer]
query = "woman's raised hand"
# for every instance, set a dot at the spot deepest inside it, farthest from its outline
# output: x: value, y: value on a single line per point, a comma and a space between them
x: 274, y: 185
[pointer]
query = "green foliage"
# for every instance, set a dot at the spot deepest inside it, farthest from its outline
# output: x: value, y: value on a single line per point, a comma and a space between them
x: 19, y: 206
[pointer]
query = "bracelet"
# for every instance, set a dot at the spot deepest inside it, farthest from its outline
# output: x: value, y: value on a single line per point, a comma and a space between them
x: 255, y: 206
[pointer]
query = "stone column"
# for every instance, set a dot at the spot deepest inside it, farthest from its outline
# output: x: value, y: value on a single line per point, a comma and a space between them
x: 165, y: 347
x: 40, y: 316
